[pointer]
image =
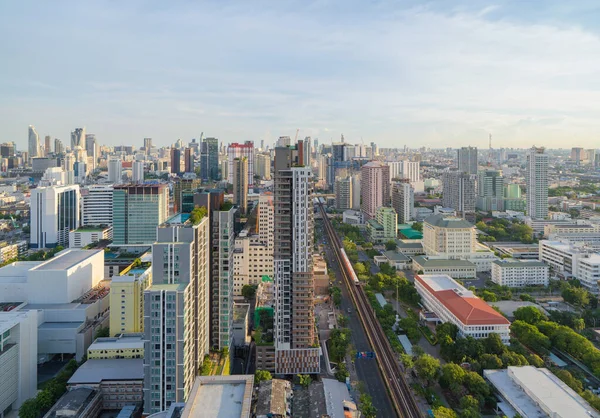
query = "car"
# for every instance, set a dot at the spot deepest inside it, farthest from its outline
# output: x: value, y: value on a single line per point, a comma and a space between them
x: 349, y: 310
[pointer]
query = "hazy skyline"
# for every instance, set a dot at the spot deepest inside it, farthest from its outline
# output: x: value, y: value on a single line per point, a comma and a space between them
x: 394, y: 72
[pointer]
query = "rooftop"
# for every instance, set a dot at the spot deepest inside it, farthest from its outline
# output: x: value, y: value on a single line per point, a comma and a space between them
x: 180, y: 218
x: 408, y: 244
x: 220, y: 397
x: 467, y: 307
x: 432, y: 263
x: 92, y: 228
x: 410, y: 233
x: 240, y: 310
x: 126, y: 341
x: 73, y: 403
x: 539, y: 393
x: 272, y: 397
x: 395, y: 256
x: 67, y: 259
x: 95, y: 371
x: 445, y: 221
x: 522, y: 264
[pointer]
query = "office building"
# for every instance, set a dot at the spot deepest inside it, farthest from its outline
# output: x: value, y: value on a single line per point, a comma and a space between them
x: 18, y: 358
x: 295, y: 338
x: 209, y: 159
x: 467, y: 160
x: 78, y: 138
x: 513, y: 273
x: 54, y: 213
x: 175, y: 161
x: 457, y: 269
x: 451, y: 302
x: 127, y: 300
x: 577, y: 155
x: 572, y: 261
x: 91, y: 148
x: 7, y: 149
x: 284, y: 141
x: 176, y: 310
x: 240, y: 184
x: 532, y: 392
x: 137, y: 172
x: 536, y: 179
x: 137, y: 209
x: 236, y: 150
x: 115, y: 171
x: 459, y: 192
x: 343, y: 193
x: 34, y: 143
x: 87, y: 235
x: 183, y: 194
x: 188, y: 160
x: 47, y: 149
x: 221, y: 291
x: 262, y: 166
x: 97, y: 205
x: 490, y: 190
x: 403, y: 200
x: 58, y: 146
x: 375, y: 187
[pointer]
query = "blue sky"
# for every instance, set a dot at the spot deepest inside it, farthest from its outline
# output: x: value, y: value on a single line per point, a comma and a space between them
x: 398, y: 73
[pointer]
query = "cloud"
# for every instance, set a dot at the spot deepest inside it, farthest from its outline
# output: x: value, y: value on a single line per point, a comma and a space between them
x: 388, y: 71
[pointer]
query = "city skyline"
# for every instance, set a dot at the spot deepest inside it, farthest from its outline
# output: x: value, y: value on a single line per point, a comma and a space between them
x: 467, y: 71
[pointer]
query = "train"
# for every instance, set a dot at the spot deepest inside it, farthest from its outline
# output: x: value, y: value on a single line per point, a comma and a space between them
x: 348, y: 266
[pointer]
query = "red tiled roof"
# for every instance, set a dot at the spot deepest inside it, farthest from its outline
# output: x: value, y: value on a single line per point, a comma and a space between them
x: 470, y: 310
x: 127, y: 164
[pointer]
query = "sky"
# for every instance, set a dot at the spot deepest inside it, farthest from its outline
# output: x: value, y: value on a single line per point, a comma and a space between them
x: 415, y: 73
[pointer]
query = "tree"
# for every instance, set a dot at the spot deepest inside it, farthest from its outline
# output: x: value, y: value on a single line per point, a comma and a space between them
x: 427, y: 367
x: 304, y: 380
x: 443, y: 412
x: 530, y: 336
x: 248, y: 291
x: 469, y: 402
x: 417, y: 226
x: 535, y: 360
x: 103, y: 332
x: 406, y: 360
x: 489, y: 296
x: 451, y: 375
x: 476, y: 386
x: 341, y: 372
x: 530, y: 314
x: 45, y: 400
x: 30, y: 409
x: 490, y: 361
x: 446, y: 328
x: 391, y: 245
x: 493, y: 344
x: 359, y: 268
x: 571, y: 381
x: 366, y: 406
x: 575, y: 295
x: 578, y: 324
x: 261, y: 376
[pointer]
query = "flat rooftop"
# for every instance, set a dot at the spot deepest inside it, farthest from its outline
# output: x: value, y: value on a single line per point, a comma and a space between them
x: 95, y: 371
x: 66, y: 259
x: 180, y: 218
x: 519, y: 264
x: 220, y: 397
x: 440, y: 282
x: 118, y: 343
x: 546, y: 394
x: 433, y: 263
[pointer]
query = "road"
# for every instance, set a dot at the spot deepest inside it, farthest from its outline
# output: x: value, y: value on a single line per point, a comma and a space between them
x: 366, y: 369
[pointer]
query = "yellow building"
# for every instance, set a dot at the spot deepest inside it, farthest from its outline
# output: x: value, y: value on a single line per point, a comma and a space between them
x: 127, y: 300
x: 125, y: 346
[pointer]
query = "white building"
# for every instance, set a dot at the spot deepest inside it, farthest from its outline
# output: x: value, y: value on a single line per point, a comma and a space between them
x: 353, y: 217
x: 115, y: 170
x: 410, y: 170
x: 18, y: 358
x: 520, y: 273
x: 266, y: 220
x: 85, y: 236
x: 403, y: 200
x: 137, y: 172
x: 572, y: 261
x: 452, y: 303
x: 252, y: 260
x: 34, y: 143
x: 54, y: 213
x: 533, y: 393
x: 97, y: 205
x: 536, y: 179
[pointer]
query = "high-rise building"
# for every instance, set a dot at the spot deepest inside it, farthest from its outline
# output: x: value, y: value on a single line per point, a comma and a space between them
x: 209, y: 159
x: 137, y: 209
x: 343, y: 193
x: 459, y: 192
x: 536, y: 179
x: 176, y: 310
x: 307, y: 155
x: 577, y: 155
x: 356, y: 191
x: 467, y: 160
x: 188, y: 160
x: 223, y: 241
x: 180, y: 186
x: 295, y: 339
x: 34, y: 143
x: 115, y: 170
x: 58, y: 146
x: 137, y: 171
x: 263, y: 166
x: 54, y: 213
x: 7, y: 149
x: 127, y: 300
x: 240, y: 184
x: 375, y: 187
x: 147, y: 145
x: 47, y: 149
x: 78, y: 138
x: 403, y: 199
x: 266, y: 220
x: 374, y: 150
x: 284, y: 141
x: 236, y: 150
x: 91, y: 147
x: 490, y: 190
x: 97, y: 205
x: 175, y: 161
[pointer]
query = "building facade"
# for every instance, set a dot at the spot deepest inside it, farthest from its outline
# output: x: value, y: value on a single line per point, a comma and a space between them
x: 536, y: 178
x: 236, y: 150
x: 127, y: 300
x: 403, y: 200
x: 520, y: 273
x: 97, y: 205
x: 54, y: 213
x: 240, y: 183
x: 467, y: 160
x: 490, y: 190
x: 459, y: 192
x: 343, y: 193
x: 375, y: 187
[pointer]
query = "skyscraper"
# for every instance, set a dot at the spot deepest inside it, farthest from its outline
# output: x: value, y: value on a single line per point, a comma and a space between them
x: 266, y: 220
x: 58, y: 146
x: 34, y: 143
x: 343, y: 193
x: 263, y: 166
x: 147, y: 145
x: 137, y: 168
x: 459, y: 192
x: 403, y: 199
x: 490, y: 190
x: 467, y: 160
x: 175, y: 161
x: 536, y: 179
x: 294, y: 337
x: 54, y: 213
x: 47, y: 149
x: 209, y: 159
x: 137, y: 209
x: 188, y: 160
x: 97, y: 205
x: 7, y: 149
x: 78, y: 138
x: 115, y: 170
x: 91, y: 147
x: 236, y: 150
x: 577, y: 155
x: 176, y: 311
x: 240, y: 184
x: 375, y: 187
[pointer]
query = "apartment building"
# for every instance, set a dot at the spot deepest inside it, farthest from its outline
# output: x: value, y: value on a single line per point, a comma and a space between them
x: 512, y: 273
x: 127, y: 300
x: 252, y: 260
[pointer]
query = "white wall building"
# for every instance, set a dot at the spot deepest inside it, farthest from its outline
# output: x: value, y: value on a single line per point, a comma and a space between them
x: 266, y: 220
x: 572, y: 261
x: 520, y: 273
x: 97, y: 205
x: 403, y: 200
x: 54, y: 212
x: 536, y: 179
x: 18, y: 358
x: 83, y: 236
x: 115, y: 170
x: 137, y: 172
x: 252, y: 260
x: 452, y: 303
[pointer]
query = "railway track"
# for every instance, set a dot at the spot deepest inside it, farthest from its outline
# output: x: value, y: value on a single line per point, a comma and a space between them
x: 400, y: 392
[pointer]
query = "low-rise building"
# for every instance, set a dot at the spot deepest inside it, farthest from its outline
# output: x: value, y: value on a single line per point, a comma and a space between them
x: 513, y: 273
x: 409, y: 247
x: 453, y: 303
x: 86, y: 235
x: 532, y: 392
x: 124, y: 346
x: 11, y: 251
x: 517, y: 250
x: 384, y: 226
x: 353, y: 217
x: 572, y: 261
x: 320, y: 274
x: 220, y: 396
x: 274, y: 399
x: 239, y: 326
x: 458, y: 269
x: 81, y: 402
x: 395, y: 259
